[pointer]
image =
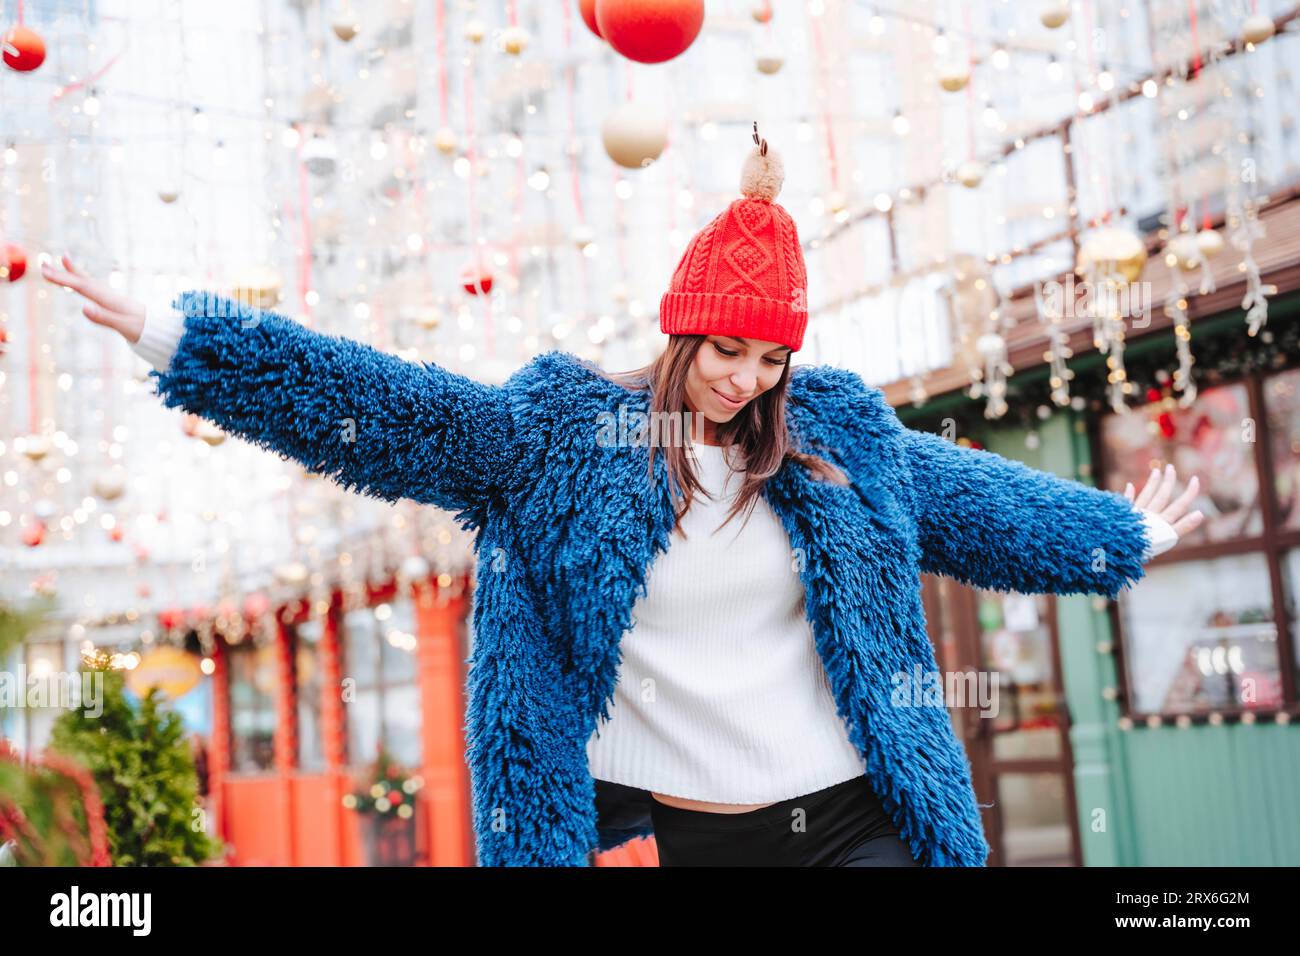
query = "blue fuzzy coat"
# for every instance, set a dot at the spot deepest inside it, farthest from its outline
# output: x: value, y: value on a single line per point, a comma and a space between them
x: 566, y: 526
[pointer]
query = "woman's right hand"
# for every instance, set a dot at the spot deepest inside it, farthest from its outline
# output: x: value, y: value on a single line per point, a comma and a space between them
x: 105, y: 307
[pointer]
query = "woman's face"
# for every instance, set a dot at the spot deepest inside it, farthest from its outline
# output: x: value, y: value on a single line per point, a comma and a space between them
x: 728, y: 373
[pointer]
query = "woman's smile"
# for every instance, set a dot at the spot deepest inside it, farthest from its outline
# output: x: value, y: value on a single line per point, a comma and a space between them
x: 728, y: 401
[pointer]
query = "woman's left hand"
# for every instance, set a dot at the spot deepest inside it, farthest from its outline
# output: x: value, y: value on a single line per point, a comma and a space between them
x: 1155, y: 498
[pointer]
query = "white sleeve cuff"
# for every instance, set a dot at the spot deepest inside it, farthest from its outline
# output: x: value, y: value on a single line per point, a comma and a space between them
x: 163, y: 327
x: 1160, y: 534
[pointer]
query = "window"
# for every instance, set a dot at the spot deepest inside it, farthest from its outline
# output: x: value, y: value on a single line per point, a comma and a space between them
x: 1282, y: 405
x: 1212, y: 439
x: 252, y: 707
x: 1291, y: 580
x: 1201, y: 637
x: 379, y: 655
x: 307, y: 678
x: 1213, y: 626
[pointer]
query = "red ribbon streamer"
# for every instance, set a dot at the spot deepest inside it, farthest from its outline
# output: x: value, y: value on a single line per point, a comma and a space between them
x: 826, y: 118
x: 1196, y: 40
x: 574, y: 178
x: 63, y: 91
x: 473, y: 207
x: 33, y: 350
x: 442, y: 59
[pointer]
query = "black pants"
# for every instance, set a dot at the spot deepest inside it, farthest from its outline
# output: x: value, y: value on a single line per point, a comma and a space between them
x: 841, y: 825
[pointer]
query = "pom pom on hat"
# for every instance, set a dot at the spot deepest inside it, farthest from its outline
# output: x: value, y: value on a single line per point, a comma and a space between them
x: 763, y: 173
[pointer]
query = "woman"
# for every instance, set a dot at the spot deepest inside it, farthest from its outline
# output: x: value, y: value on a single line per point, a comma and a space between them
x: 759, y: 674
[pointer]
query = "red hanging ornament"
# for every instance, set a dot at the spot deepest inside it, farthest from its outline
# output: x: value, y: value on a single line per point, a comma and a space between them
x: 115, y: 533
x: 588, y: 10
x: 1166, y: 422
x: 24, y: 50
x: 650, y: 31
x: 476, y: 280
x: 1153, y: 394
x: 34, y: 534
x: 13, y: 262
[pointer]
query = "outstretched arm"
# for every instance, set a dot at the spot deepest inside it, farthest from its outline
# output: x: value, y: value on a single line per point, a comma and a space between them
x: 368, y: 420
x: 996, y: 523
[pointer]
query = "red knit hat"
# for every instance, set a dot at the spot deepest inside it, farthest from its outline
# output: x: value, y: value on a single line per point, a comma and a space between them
x: 743, y: 274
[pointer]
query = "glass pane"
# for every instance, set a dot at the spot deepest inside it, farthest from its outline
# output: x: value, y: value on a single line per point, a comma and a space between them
x: 307, y: 675
x: 380, y: 647
x: 361, y: 664
x: 360, y: 651
x: 1016, y: 644
x: 1199, y: 635
x: 1035, y: 819
x: 252, y: 707
x: 1214, y: 439
x: 402, y: 723
x: 397, y: 647
x: 1282, y: 408
x: 1291, y: 583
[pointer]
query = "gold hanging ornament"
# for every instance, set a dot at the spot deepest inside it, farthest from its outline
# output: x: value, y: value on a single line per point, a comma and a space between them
x: 346, y: 28
x: 634, y: 136
x: 1113, y: 249
x: 1182, y: 252
x: 769, y: 61
x: 954, y: 77
x: 1257, y: 29
x: 1209, y: 242
x: 445, y: 141
x: 583, y: 236
x: 111, y: 484
x: 1054, y: 14
x: 258, y: 287
x: 970, y: 173
x: 514, y: 40
x: 35, y: 447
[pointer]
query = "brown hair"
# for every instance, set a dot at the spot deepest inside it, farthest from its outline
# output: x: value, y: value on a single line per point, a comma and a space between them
x: 759, y: 430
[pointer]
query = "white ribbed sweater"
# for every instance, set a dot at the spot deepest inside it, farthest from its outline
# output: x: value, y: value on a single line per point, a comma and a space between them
x: 721, y: 695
